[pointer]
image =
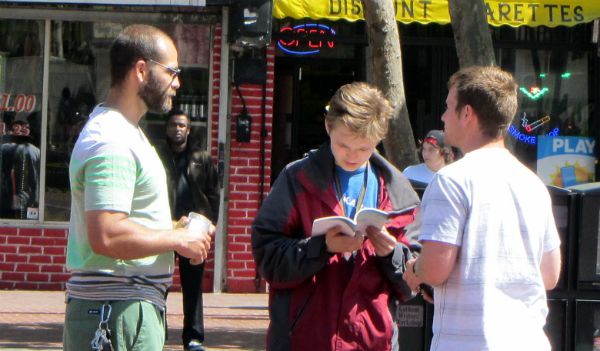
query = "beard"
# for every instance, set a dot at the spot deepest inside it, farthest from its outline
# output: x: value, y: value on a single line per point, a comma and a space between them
x: 155, y: 98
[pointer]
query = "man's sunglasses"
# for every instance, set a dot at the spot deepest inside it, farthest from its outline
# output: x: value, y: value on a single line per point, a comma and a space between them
x: 174, y: 71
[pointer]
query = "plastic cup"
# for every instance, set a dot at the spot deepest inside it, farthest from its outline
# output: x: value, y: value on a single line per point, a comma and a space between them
x: 198, y: 223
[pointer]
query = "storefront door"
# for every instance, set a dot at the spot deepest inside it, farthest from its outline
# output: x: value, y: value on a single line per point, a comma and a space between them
x: 303, y: 89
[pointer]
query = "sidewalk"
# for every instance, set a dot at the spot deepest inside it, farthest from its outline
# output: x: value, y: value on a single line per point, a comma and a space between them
x: 33, y: 320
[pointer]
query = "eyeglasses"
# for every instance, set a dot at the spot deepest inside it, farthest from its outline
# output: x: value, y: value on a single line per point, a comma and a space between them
x: 174, y: 71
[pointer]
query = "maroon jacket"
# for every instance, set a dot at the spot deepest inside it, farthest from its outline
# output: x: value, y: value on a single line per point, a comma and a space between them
x: 318, y: 300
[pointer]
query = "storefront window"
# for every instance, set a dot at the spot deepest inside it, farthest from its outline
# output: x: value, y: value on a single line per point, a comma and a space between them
x: 21, y: 71
x: 553, y: 97
x: 78, y: 79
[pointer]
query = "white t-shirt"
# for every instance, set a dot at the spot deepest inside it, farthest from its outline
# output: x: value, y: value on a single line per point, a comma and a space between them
x: 420, y: 173
x: 499, y: 213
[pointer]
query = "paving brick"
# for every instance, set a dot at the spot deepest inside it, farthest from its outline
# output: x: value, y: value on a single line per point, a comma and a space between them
x: 33, y: 320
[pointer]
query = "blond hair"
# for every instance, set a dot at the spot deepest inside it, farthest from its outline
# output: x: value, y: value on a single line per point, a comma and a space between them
x: 362, y: 108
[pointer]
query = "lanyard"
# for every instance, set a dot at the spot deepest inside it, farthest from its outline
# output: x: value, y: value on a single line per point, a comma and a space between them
x: 340, y: 195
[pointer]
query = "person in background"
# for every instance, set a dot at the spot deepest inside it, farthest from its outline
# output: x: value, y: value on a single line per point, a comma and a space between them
x: 435, y: 156
x: 490, y: 247
x: 19, y: 172
x: 193, y: 187
x: 322, y: 297
x: 121, y: 236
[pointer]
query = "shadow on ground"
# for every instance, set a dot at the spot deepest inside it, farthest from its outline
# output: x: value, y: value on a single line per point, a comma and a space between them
x: 48, y: 336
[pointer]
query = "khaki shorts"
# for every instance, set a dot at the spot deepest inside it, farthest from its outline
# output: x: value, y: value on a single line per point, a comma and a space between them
x: 134, y: 325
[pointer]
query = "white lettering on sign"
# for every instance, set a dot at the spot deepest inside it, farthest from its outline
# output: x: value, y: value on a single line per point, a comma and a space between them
x: 410, y: 316
x: 582, y: 146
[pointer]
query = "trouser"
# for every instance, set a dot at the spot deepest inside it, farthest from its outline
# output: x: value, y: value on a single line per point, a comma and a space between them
x: 191, y: 287
x: 135, y: 325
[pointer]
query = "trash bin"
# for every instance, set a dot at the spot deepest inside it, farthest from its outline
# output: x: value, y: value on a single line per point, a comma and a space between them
x: 588, y: 231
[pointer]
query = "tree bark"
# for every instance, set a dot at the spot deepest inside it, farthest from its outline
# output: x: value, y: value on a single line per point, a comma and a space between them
x: 471, y: 33
x: 385, y: 70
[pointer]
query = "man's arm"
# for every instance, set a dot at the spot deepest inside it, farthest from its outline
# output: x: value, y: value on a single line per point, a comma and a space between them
x: 112, y: 234
x: 550, y: 267
x: 433, y: 266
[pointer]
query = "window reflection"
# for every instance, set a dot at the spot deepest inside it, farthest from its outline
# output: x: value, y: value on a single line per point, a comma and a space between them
x: 75, y: 79
x: 21, y: 64
x: 78, y: 79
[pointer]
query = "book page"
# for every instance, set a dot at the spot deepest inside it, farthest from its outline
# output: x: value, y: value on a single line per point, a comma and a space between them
x: 323, y: 224
x: 370, y: 217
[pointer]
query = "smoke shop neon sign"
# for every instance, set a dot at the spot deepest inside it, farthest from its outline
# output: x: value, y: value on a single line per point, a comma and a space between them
x: 306, y: 39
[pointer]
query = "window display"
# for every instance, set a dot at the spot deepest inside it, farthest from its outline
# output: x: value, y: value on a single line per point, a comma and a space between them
x: 78, y: 78
x: 21, y: 59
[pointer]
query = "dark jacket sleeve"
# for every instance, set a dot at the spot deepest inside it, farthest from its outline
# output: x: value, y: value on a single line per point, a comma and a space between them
x: 211, y: 188
x: 393, y: 266
x: 283, y: 255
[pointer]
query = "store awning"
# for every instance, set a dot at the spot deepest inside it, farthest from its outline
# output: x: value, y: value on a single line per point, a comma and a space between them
x: 514, y: 13
x: 121, y: 2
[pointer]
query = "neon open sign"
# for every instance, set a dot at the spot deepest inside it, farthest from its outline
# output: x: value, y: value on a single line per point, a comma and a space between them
x: 306, y: 39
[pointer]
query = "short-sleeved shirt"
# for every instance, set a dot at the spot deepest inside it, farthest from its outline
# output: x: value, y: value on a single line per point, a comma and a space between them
x: 499, y: 214
x: 114, y: 168
x: 420, y: 173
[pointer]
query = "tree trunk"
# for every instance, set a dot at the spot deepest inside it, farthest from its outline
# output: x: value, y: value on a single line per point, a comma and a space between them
x: 386, y: 72
x: 471, y: 33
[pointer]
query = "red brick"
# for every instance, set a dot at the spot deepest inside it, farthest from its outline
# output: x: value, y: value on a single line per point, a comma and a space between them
x: 237, y: 213
x: 6, y: 285
x: 244, y: 273
x: 40, y: 259
x: 26, y: 267
x: 8, y: 231
x: 239, y: 162
x: 236, y: 265
x: 237, y: 248
x: 54, y: 250
x: 7, y: 267
x: 3, y: 239
x: 62, y: 277
x: 8, y: 248
x: 250, y: 205
x: 38, y: 277
x: 29, y: 249
x: 29, y: 232
x: 241, y: 221
x: 236, y: 196
x: 55, y: 233
x: 15, y: 276
x: 59, y: 259
x: 52, y: 286
x: 15, y: 258
x: 242, y: 256
x: 43, y: 241
x: 238, y: 285
x: 22, y: 285
x: 247, y: 239
x: 52, y: 268
x: 19, y: 240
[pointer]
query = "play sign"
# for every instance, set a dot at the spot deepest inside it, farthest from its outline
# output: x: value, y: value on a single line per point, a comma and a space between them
x: 566, y: 160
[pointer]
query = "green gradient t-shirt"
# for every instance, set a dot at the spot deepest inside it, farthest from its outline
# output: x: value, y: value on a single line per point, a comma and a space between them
x: 114, y: 167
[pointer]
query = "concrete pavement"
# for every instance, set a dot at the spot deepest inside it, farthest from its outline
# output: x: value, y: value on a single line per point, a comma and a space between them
x: 33, y: 320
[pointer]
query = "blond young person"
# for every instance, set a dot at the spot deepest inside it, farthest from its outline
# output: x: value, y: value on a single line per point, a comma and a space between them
x: 333, y: 292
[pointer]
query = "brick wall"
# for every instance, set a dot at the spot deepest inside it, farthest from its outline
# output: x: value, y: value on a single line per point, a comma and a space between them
x: 245, y: 182
x: 32, y: 258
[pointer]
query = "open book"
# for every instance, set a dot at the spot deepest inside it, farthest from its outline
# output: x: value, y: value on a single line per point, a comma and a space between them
x: 364, y: 218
